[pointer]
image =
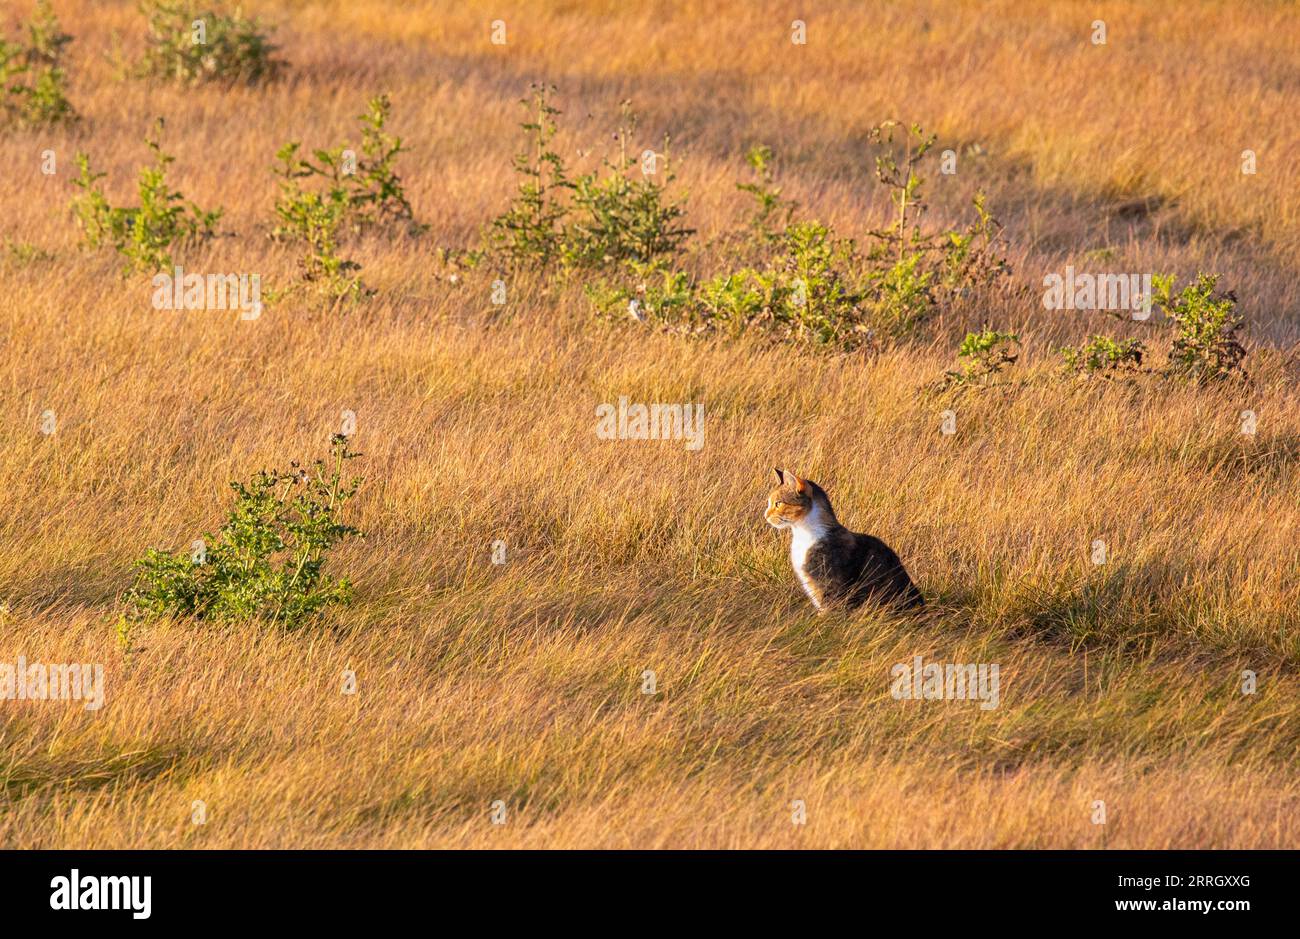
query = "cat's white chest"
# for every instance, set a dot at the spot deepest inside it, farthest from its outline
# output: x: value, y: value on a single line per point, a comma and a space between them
x: 800, y: 544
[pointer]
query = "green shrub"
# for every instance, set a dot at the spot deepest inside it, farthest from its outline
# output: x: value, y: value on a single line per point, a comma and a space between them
x: 772, y: 212
x: 925, y: 269
x: 145, y: 235
x: 622, y: 213
x: 813, y: 286
x: 190, y: 47
x: 267, y: 562
x: 32, y: 81
x: 800, y: 280
x: 1102, y: 355
x: 822, y: 302
x: 314, y: 219
x: 969, y: 258
x: 736, y: 300
x: 1205, y: 346
x: 986, y: 354
x: 806, y: 294
x: 349, y: 193
x: 530, y: 232
x: 661, y: 294
x: 902, y: 297
x: 365, y: 185
x: 611, y: 216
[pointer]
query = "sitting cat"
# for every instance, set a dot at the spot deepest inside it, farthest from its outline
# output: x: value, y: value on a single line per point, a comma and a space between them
x: 835, y: 566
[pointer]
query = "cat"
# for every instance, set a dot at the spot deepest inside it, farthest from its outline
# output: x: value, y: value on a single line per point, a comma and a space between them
x: 836, y: 567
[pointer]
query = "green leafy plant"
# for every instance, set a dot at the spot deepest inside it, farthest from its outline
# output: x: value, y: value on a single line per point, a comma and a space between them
x: 918, y: 270
x: 32, y: 81
x: 619, y: 213
x: 1206, y: 346
x: 364, y: 185
x: 144, y: 235
x: 902, y: 181
x: 658, y: 293
x: 969, y: 258
x: 1102, y: 355
x: 622, y: 213
x: 903, y: 296
x: 821, y: 298
x: 267, y: 562
x: 772, y: 211
x: 813, y: 286
x: 190, y: 46
x: 314, y: 219
x: 349, y: 192
x: 807, y: 294
x: 530, y: 232
x: 985, y: 354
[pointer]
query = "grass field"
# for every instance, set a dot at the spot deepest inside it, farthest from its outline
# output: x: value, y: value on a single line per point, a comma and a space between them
x: 522, y: 682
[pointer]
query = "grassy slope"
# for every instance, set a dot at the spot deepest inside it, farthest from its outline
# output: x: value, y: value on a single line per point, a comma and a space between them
x: 522, y: 683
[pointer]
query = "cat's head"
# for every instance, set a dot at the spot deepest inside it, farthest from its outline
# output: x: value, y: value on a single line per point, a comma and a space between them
x: 792, y: 499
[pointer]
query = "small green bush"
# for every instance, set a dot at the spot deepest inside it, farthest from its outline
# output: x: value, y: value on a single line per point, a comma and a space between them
x: 772, y: 212
x: 823, y: 301
x: 530, y: 232
x: 925, y: 268
x: 969, y: 259
x: 267, y: 562
x: 364, y: 185
x: 986, y: 354
x: 314, y: 219
x: 191, y: 47
x: 1102, y: 355
x: 809, y: 284
x: 1206, y: 346
x: 660, y: 294
x: 622, y: 213
x: 145, y: 235
x: 807, y: 293
x: 903, y: 296
x: 32, y: 81
x: 611, y: 216
x: 350, y: 193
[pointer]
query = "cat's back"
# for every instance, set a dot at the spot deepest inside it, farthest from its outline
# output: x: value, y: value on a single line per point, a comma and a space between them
x: 876, y: 571
x: 869, y: 548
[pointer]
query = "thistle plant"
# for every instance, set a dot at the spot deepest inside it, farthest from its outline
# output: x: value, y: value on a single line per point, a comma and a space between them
x: 32, y: 80
x: 144, y: 235
x: 985, y: 354
x: 1206, y: 346
x: 189, y: 45
x: 267, y: 562
x: 529, y: 233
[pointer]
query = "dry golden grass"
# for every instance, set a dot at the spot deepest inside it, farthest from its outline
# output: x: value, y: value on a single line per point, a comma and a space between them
x: 523, y: 682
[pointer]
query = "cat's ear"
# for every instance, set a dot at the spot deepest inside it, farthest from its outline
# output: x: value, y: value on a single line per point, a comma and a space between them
x: 798, y: 483
x: 780, y: 477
